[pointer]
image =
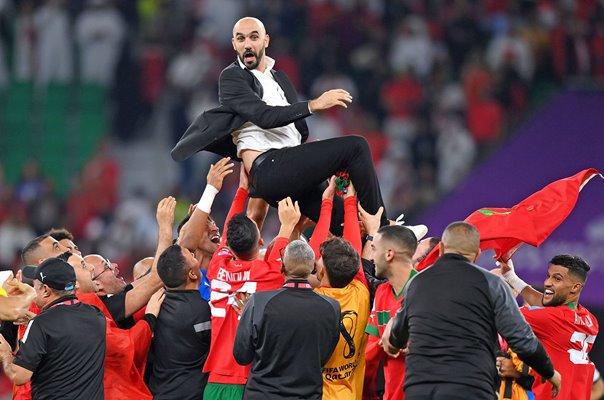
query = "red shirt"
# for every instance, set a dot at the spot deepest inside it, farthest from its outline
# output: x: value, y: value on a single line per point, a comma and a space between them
x: 126, y: 356
x: 567, y: 335
x: 227, y: 277
x: 385, y: 306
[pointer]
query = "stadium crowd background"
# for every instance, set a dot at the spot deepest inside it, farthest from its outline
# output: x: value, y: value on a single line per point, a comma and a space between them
x: 94, y: 93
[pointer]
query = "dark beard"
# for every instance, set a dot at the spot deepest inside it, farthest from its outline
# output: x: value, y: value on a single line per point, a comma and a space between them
x: 255, y: 64
x: 555, y: 301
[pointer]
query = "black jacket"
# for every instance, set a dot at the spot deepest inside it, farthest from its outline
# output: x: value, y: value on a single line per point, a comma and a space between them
x: 288, y: 334
x: 451, y: 314
x: 240, y: 95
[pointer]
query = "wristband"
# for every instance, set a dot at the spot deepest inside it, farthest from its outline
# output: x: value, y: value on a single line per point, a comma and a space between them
x: 514, y: 281
x: 207, y: 198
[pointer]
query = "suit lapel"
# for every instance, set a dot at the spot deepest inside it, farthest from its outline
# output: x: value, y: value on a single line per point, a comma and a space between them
x: 286, y: 85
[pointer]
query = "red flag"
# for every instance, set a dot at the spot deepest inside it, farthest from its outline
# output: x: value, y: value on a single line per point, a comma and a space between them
x: 530, y: 221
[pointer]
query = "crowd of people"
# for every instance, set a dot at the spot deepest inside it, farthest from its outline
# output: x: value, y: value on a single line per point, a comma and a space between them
x: 436, y: 84
x: 227, y: 317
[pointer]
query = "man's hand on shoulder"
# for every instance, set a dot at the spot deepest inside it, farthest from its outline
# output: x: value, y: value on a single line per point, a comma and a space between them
x: 329, y: 99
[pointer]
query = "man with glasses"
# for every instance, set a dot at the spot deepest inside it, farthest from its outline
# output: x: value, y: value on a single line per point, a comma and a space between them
x: 124, y: 300
x: 106, y: 275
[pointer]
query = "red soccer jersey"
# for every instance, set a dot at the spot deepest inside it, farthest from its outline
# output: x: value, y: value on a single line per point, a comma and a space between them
x: 385, y: 306
x: 567, y: 335
x: 228, y: 277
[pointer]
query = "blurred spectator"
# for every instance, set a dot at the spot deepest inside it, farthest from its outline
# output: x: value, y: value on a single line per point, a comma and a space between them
x: 455, y: 151
x: 412, y: 48
x: 31, y: 184
x: 570, y: 50
x: 45, y: 211
x: 54, y: 56
x: 99, y: 32
x: 3, y: 37
x: 510, y: 48
x: 596, y: 45
x: 101, y: 177
x: 486, y: 121
x: 15, y: 233
x: 25, y: 36
x: 460, y: 35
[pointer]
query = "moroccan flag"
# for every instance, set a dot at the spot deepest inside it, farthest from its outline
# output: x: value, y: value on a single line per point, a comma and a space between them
x: 530, y: 221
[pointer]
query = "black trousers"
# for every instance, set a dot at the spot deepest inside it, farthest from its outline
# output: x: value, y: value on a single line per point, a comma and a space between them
x: 301, y: 172
x: 446, y: 391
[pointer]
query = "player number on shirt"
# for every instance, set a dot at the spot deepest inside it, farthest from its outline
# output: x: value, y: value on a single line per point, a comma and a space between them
x: 580, y: 356
x: 221, y: 290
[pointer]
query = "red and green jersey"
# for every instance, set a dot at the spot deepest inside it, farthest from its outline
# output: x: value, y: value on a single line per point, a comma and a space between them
x: 385, y: 306
x: 229, y: 276
x: 568, y: 334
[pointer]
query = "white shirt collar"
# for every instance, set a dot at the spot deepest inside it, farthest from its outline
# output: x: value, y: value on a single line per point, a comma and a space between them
x: 270, y: 63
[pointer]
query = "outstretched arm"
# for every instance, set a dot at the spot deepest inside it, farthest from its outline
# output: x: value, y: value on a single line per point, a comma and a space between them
x: 531, y: 296
x: 139, y: 296
x: 191, y: 233
x: 321, y: 231
x: 238, y: 204
x: 236, y: 94
x: 289, y: 214
x: 352, y: 232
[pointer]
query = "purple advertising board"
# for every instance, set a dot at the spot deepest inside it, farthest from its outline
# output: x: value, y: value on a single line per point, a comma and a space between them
x: 565, y: 137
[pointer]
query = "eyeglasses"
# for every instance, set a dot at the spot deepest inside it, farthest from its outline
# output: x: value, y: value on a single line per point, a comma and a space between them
x: 106, y: 267
x: 314, y: 270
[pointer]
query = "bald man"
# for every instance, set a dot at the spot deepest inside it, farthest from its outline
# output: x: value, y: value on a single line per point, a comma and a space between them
x: 288, y: 334
x: 261, y: 122
x: 142, y: 268
x: 450, y: 317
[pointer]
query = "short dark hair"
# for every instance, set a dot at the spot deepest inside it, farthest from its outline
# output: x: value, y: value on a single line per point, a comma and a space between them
x: 403, y: 237
x: 341, y: 261
x: 575, y: 264
x: 59, y: 234
x: 172, y: 267
x: 241, y: 235
x: 30, y: 247
x: 434, y: 241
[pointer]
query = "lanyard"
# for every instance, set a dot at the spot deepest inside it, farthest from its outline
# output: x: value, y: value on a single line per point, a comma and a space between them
x: 66, y: 302
x: 298, y: 285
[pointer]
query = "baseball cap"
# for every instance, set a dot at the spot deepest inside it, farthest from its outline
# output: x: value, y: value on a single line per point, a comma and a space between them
x: 53, y: 272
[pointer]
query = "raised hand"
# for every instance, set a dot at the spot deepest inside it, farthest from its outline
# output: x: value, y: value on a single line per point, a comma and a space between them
x: 289, y: 212
x: 371, y: 222
x: 244, y: 181
x: 329, y: 99
x: 165, y: 217
x: 330, y: 190
x: 350, y: 192
x: 218, y: 171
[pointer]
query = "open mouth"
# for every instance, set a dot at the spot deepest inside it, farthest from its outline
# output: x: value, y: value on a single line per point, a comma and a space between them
x: 548, y: 294
x: 249, y: 57
x: 215, y: 238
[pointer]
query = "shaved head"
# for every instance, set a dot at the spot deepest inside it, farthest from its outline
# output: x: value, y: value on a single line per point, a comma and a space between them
x: 142, y: 268
x: 250, y: 41
x: 461, y: 238
x: 249, y: 23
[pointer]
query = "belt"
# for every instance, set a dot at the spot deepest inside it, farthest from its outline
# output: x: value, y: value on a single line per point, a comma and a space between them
x: 261, y: 158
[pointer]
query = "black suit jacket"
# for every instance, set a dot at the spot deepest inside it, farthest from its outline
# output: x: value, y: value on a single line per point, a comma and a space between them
x: 240, y: 95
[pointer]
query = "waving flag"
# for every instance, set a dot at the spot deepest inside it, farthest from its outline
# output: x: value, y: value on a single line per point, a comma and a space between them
x: 530, y: 221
